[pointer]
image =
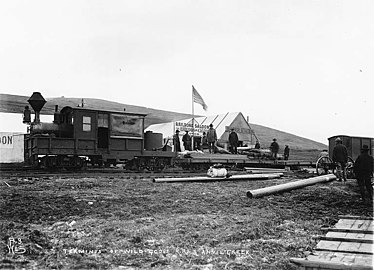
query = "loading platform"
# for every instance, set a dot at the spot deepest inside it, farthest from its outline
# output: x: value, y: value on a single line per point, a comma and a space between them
x: 195, y: 159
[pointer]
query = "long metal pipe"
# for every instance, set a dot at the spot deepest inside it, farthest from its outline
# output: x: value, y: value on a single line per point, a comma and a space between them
x: 257, y: 193
x: 264, y: 171
x: 231, y: 178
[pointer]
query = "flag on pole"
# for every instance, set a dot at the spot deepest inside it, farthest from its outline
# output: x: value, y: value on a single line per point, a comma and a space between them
x: 198, y: 99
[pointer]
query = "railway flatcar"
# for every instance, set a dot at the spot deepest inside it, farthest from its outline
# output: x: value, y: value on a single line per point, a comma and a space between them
x: 80, y: 136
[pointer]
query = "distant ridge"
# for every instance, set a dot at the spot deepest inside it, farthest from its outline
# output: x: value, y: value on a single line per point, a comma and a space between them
x: 15, y: 104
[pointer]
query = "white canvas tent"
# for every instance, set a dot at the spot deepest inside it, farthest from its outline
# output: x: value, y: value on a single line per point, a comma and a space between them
x: 222, y: 123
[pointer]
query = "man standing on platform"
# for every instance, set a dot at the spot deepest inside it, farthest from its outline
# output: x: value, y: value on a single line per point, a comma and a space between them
x: 176, y: 142
x: 274, y: 147
x: 286, y: 153
x: 211, y: 138
x: 233, y: 140
x: 187, y: 141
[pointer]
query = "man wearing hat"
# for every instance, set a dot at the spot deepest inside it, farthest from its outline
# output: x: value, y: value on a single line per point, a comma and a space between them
x: 363, y: 169
x: 233, y: 140
x: 187, y: 141
x: 274, y: 147
x: 211, y: 137
x: 340, y: 158
x: 176, y: 142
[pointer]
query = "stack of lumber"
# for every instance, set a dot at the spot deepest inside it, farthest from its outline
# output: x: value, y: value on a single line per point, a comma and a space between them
x: 348, y: 245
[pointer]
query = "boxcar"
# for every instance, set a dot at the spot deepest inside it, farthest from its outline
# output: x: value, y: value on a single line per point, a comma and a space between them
x: 353, y: 144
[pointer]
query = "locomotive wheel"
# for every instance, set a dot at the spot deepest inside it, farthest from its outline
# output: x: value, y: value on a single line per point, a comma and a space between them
x: 76, y: 162
x: 153, y: 164
x: 325, y: 165
x: 51, y: 162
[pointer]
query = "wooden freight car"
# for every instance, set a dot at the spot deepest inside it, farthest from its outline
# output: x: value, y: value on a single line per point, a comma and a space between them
x: 325, y: 165
x: 353, y: 144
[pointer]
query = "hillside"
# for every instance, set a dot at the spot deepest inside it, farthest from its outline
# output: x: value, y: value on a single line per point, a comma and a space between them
x: 266, y: 136
x: 16, y: 103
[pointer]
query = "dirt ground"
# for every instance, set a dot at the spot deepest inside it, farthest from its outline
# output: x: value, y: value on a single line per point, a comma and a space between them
x: 116, y: 222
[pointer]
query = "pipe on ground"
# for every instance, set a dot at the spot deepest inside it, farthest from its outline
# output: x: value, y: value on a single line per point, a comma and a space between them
x: 264, y: 171
x: 257, y: 193
x: 231, y: 178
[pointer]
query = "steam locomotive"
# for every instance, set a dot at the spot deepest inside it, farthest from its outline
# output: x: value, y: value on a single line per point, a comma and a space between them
x: 80, y: 136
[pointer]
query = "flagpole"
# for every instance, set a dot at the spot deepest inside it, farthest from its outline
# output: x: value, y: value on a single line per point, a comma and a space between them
x: 193, y: 124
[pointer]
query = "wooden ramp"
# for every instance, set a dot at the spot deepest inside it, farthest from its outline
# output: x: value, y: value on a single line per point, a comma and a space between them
x: 348, y: 245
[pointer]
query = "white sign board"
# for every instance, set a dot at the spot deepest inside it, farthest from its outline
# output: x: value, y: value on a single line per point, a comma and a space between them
x: 11, y: 147
x: 6, y: 140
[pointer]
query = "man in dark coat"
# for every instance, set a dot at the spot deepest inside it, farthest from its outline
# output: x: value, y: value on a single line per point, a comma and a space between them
x: 286, y: 153
x: 233, y: 140
x: 363, y: 169
x: 340, y: 158
x: 257, y: 145
x: 274, y: 147
x: 187, y: 142
x: 211, y: 137
x: 27, y: 115
x: 176, y: 142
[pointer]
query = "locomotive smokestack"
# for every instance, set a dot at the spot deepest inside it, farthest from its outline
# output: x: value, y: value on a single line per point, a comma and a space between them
x: 37, y: 102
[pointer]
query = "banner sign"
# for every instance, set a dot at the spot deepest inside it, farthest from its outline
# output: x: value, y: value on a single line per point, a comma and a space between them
x: 198, y: 129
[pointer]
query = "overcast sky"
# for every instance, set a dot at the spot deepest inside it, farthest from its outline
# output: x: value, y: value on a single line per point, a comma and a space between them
x: 304, y: 67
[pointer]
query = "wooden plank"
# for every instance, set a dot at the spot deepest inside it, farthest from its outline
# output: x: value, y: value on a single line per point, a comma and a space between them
x: 359, y: 259
x: 345, y: 223
x: 328, y: 245
x: 366, y: 248
x: 349, y: 235
x: 349, y: 246
x: 355, y: 217
x: 328, y: 265
x: 365, y: 225
x: 336, y: 234
x: 363, y: 251
x: 346, y: 239
x: 346, y: 230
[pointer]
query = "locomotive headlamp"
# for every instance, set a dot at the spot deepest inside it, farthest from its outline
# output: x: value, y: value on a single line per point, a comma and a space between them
x: 37, y: 102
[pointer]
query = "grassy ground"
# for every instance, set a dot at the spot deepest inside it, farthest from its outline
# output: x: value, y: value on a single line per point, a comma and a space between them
x: 118, y: 223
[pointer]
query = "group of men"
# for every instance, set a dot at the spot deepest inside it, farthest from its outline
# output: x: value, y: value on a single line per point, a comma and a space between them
x: 207, y: 141
x: 274, y: 148
x: 363, y: 167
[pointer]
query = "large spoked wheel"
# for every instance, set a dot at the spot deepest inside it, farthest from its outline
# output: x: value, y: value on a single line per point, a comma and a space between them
x: 325, y: 165
x: 349, y: 168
